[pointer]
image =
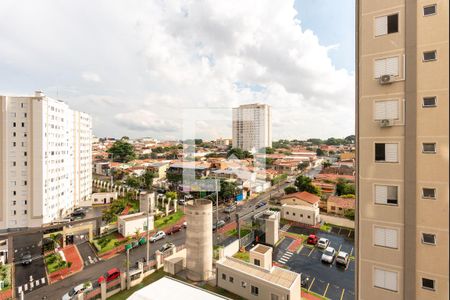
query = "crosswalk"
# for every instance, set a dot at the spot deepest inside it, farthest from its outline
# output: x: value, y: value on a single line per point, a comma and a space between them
x: 91, y: 261
x: 285, y: 227
x: 285, y: 257
x: 29, y: 286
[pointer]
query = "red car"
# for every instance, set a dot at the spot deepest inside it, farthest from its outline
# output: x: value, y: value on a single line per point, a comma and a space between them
x: 109, y: 276
x: 174, y: 229
x: 312, y: 239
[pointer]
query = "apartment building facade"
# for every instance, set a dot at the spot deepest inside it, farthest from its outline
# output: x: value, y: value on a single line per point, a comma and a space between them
x: 402, y: 142
x: 46, y: 160
x: 252, y: 127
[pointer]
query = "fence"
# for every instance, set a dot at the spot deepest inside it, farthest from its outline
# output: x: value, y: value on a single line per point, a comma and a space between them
x: 248, y: 239
x: 96, y: 293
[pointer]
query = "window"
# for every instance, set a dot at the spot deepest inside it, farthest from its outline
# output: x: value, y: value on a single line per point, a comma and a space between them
x: 429, y: 148
x: 287, y: 213
x: 385, y: 237
x: 386, y: 110
x: 386, y: 25
x: 386, y: 194
x: 14, y: 124
x: 243, y: 284
x: 429, y: 10
x: 231, y: 279
x: 293, y: 214
x: 429, y: 193
x: 429, y: 238
x: 224, y: 276
x: 386, y: 152
x: 429, y: 102
x: 429, y: 55
x: 428, y: 284
x: 23, y: 124
x: 25, y: 212
x: 385, y: 279
x: 255, y: 290
x: 386, y: 66
x: 257, y: 262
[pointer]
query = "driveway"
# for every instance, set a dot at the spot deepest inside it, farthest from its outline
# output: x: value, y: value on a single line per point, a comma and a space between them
x: 87, y: 254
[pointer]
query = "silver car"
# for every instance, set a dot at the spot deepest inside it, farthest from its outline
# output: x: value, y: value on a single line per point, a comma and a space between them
x: 72, y: 294
x: 342, y: 258
x: 328, y: 255
x: 323, y: 243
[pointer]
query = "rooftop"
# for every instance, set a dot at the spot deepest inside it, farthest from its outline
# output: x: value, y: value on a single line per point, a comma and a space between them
x: 260, y: 248
x: 277, y: 276
x: 348, y: 203
x: 304, y: 196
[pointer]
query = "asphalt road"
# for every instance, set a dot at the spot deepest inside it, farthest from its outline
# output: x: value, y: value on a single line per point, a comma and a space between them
x: 91, y: 273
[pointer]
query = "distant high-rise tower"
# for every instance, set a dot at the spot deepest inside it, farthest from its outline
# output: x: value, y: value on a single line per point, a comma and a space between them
x: 45, y: 160
x: 402, y: 113
x: 199, y: 243
x: 252, y: 127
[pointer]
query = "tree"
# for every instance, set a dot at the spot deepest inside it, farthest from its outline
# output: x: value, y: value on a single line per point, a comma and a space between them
x: 290, y: 189
x: 343, y: 187
x: 315, y: 141
x: 303, y: 165
x: 228, y: 190
x: 320, y: 152
x: 171, y: 195
x: 304, y: 184
x: 133, y: 181
x: 266, y: 150
x: 326, y: 164
x: 147, y: 179
x: 239, y: 153
x: 122, y: 151
x: 350, y: 214
x: 350, y: 139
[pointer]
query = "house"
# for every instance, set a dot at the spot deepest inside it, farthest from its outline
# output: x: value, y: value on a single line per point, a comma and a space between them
x: 158, y: 168
x: 103, y: 198
x: 128, y: 224
x: 301, y: 214
x: 339, y: 205
x: 258, y: 279
x: 301, y: 198
x: 347, y: 156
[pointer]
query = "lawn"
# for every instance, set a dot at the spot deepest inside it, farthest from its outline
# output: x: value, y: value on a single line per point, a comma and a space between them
x: 233, y: 232
x: 326, y: 227
x: 5, y: 276
x: 169, y: 220
x: 245, y: 256
x: 54, y: 262
x: 107, y: 242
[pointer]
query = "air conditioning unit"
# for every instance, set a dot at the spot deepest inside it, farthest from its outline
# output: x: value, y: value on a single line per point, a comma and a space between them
x: 386, y: 79
x: 386, y: 123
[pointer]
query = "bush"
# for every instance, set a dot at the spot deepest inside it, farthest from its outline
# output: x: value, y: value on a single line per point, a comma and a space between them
x: 51, y: 258
x: 350, y: 214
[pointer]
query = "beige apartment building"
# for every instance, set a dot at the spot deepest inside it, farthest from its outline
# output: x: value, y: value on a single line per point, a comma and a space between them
x: 402, y: 142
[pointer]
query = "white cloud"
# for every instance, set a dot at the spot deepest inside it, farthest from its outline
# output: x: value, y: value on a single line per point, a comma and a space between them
x: 90, y: 76
x: 157, y: 59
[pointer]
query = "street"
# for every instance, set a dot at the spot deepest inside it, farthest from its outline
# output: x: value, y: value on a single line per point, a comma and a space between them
x: 91, y: 273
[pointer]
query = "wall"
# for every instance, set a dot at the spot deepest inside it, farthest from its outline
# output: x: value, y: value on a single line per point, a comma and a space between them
x: 301, y: 214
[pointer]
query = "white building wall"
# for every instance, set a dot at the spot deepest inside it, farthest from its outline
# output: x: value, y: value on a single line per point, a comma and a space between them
x: 38, y: 161
x: 301, y: 214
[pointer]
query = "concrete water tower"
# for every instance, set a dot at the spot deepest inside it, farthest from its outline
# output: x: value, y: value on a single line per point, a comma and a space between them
x: 199, y: 239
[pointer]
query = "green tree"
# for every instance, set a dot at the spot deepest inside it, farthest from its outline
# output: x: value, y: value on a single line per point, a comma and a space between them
x: 228, y: 190
x: 350, y: 139
x: 239, y: 153
x: 147, y: 179
x: 267, y: 150
x: 290, y: 189
x: 133, y: 181
x: 326, y: 164
x: 343, y: 187
x: 315, y: 141
x: 350, y: 214
x: 304, y: 183
x: 122, y: 151
x: 319, y: 152
x: 171, y: 195
x: 303, y: 165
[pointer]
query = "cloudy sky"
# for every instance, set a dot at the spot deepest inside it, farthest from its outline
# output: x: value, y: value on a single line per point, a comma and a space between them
x: 147, y: 68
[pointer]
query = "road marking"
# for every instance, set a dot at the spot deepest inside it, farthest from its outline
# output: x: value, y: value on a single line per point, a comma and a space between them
x: 340, y: 228
x: 340, y: 246
x: 25, y: 287
x: 349, y: 232
x: 37, y: 283
x: 311, y: 283
x: 19, y: 289
x: 351, y: 252
x: 43, y: 280
x: 312, y: 250
x: 326, y: 290
x: 342, y: 294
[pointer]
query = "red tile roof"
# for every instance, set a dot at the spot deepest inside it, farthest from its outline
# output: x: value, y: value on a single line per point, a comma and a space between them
x: 346, y: 203
x: 304, y: 196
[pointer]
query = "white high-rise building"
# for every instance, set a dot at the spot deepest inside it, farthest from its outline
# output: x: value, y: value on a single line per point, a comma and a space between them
x: 252, y: 127
x: 45, y: 160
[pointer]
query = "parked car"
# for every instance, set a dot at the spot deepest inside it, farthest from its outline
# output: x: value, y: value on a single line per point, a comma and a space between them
x: 312, y: 239
x: 219, y: 224
x: 78, y: 214
x: 174, y: 229
x: 157, y: 236
x: 342, y: 258
x: 26, y: 258
x: 109, y: 276
x: 323, y: 243
x: 260, y: 204
x: 230, y: 208
x: 305, y: 281
x: 81, y: 288
x: 166, y: 246
x: 185, y: 224
x: 328, y: 255
x: 161, y: 191
x: 181, y: 202
x: 227, y: 218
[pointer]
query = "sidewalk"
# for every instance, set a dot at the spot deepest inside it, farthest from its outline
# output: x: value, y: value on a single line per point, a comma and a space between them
x: 71, y: 253
x: 343, y: 222
x: 4, y: 295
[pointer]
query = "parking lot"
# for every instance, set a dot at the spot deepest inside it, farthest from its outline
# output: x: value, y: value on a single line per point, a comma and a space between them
x: 329, y: 280
x: 87, y: 254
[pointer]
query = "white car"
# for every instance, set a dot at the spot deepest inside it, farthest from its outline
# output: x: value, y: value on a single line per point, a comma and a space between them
x: 323, y: 243
x: 72, y: 294
x: 157, y: 236
x: 328, y: 255
x: 342, y: 258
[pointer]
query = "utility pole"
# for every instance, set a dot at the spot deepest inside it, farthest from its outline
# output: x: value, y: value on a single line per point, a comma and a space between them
x: 128, y: 269
x: 148, y: 231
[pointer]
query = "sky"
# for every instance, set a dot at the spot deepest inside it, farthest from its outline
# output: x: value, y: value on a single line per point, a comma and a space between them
x: 174, y: 69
